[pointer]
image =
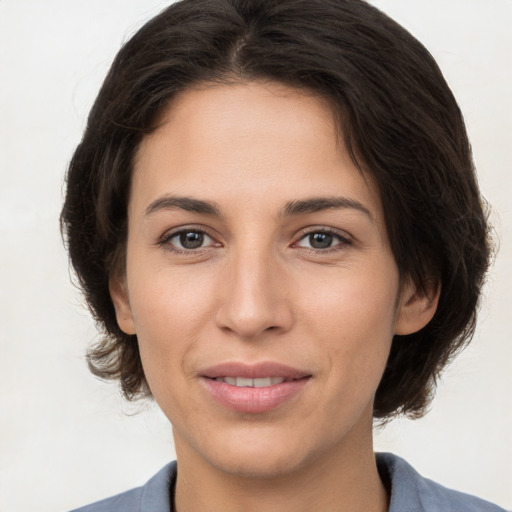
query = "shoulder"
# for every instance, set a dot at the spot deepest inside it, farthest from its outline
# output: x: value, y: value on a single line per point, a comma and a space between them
x: 155, y: 495
x: 128, y: 501
x: 413, y: 493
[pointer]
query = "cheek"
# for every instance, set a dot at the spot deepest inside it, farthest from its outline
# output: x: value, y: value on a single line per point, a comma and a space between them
x: 352, y: 302
x: 170, y: 310
x: 352, y: 316
x: 163, y: 297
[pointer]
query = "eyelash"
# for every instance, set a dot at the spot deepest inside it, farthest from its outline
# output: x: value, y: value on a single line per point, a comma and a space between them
x: 166, y: 239
x: 343, y: 241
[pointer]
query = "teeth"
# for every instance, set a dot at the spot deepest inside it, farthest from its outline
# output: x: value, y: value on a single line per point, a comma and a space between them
x: 260, y: 382
x: 243, y: 382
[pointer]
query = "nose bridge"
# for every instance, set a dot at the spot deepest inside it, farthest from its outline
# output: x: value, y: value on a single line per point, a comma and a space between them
x: 254, y: 295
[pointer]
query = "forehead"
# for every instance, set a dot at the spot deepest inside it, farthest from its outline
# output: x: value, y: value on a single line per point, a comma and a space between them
x: 249, y: 139
x: 207, y: 112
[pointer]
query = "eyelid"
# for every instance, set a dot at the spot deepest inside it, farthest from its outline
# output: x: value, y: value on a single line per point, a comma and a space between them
x: 165, y: 239
x: 344, y: 238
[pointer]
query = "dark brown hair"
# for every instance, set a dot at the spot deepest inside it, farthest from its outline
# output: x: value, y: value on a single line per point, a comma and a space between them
x: 399, y: 120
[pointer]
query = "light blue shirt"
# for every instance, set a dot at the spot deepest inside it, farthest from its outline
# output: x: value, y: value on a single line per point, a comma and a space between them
x: 410, y: 492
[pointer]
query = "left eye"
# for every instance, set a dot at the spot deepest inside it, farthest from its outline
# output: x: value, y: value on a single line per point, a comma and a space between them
x: 189, y: 240
x: 321, y: 240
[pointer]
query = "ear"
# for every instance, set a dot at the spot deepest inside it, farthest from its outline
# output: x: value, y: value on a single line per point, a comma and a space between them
x: 119, y: 295
x: 416, y: 307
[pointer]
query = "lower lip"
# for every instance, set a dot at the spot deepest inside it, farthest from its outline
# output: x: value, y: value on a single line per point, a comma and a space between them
x: 254, y: 400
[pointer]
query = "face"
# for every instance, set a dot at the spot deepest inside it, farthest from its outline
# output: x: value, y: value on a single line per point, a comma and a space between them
x: 259, y: 281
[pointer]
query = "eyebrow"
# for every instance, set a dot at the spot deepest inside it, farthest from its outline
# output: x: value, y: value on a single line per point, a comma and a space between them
x: 291, y: 208
x: 318, y: 204
x: 183, y: 203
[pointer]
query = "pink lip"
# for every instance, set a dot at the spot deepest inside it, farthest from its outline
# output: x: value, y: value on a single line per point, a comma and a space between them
x: 253, y: 399
x: 253, y: 371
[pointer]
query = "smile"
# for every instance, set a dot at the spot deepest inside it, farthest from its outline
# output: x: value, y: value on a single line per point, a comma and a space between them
x: 244, y: 382
x: 254, y: 388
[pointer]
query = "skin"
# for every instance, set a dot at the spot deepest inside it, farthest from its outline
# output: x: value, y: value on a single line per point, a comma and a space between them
x: 256, y: 290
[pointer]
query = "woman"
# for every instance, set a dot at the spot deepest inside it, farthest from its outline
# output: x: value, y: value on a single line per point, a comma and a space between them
x: 274, y: 215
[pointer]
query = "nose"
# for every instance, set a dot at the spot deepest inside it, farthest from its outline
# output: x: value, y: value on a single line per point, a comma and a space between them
x: 255, y: 297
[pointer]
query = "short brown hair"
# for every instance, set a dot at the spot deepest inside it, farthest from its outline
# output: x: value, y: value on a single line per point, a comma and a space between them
x: 399, y: 120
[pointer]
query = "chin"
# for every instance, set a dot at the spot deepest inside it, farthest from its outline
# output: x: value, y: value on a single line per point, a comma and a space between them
x: 259, y: 456
x: 258, y: 466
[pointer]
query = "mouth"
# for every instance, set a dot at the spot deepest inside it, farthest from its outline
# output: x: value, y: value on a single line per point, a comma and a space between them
x: 254, y: 388
x: 259, y: 382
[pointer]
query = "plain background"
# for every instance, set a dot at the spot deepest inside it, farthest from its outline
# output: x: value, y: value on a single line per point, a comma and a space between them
x: 67, y: 439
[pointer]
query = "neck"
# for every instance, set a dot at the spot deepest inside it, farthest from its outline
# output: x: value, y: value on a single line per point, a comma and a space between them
x: 344, y: 480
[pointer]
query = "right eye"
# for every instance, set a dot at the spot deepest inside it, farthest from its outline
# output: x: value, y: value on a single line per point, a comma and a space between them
x: 187, y: 240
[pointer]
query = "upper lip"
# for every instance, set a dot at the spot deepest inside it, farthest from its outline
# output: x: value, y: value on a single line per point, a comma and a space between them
x: 253, y: 371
